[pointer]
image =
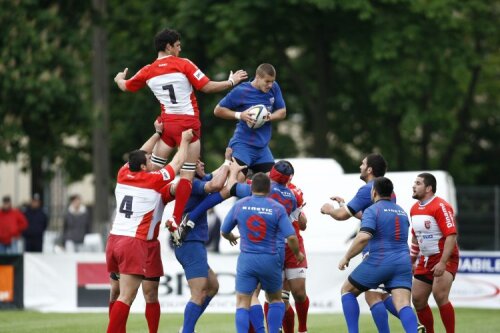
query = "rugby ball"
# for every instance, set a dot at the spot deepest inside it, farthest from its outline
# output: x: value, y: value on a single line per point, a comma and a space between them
x: 259, y: 114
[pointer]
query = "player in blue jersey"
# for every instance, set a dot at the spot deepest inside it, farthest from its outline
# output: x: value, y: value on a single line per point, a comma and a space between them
x: 251, y: 146
x: 261, y: 222
x: 192, y: 254
x: 384, y: 228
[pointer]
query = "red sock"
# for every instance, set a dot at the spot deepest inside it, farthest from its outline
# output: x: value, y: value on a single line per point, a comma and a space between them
x: 111, y: 303
x: 182, y: 193
x: 266, y: 310
x: 302, y: 311
x: 118, y: 318
x: 153, y: 316
x: 289, y: 320
x: 425, y: 318
x: 251, y: 329
x: 448, y: 317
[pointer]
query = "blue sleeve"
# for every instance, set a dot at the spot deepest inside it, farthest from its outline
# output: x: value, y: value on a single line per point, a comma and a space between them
x: 231, y: 100
x: 229, y: 222
x: 361, y: 200
x: 198, y: 187
x: 285, y: 226
x: 208, y: 177
x: 279, y: 102
x: 243, y: 190
x: 369, y: 220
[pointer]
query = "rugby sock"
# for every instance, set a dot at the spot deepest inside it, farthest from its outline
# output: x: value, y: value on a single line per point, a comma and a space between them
x: 408, y: 319
x: 389, y: 305
x: 302, y: 310
x: 192, y: 313
x: 111, y: 303
x: 182, y: 193
x: 210, y: 201
x: 448, y: 317
x: 242, y: 320
x: 118, y: 318
x: 257, y: 318
x: 153, y: 316
x: 266, y: 311
x: 380, y: 317
x: 275, y: 316
x: 425, y: 317
x: 289, y: 320
x: 350, y: 306
x: 205, y: 303
x: 250, y: 328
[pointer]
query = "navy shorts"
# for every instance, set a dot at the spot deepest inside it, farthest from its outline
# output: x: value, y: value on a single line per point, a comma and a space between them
x: 393, y: 276
x: 251, y: 155
x: 192, y: 255
x: 253, y: 268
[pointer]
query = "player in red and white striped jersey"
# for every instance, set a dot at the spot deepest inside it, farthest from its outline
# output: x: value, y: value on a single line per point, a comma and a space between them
x: 435, y: 234
x: 172, y: 80
x: 133, y: 250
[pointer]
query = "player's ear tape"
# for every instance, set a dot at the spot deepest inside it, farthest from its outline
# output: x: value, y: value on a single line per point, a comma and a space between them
x: 157, y: 160
x: 285, y: 295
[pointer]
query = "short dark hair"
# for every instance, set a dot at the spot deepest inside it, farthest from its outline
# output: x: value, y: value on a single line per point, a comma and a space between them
x: 265, y: 69
x: 261, y: 183
x: 136, y: 158
x: 378, y: 164
x: 164, y: 37
x: 429, y: 180
x: 6, y: 198
x: 383, y: 186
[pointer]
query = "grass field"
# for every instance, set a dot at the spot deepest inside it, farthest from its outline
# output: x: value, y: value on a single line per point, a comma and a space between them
x: 468, y: 320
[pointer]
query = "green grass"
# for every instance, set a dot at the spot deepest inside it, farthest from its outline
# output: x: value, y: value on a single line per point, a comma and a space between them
x: 468, y: 320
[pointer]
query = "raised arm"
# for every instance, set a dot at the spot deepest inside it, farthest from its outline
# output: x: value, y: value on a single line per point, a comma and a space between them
x: 218, y: 86
x: 181, y: 155
x: 149, y: 145
x: 120, y: 79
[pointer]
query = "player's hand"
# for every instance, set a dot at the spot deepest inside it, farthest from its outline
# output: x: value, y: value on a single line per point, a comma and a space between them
x: 121, y: 75
x: 233, y: 240
x: 235, y: 168
x: 246, y: 116
x: 187, y: 135
x: 237, y: 77
x: 344, y: 262
x: 300, y: 257
x: 327, y: 209
x: 228, y: 154
x: 158, y: 125
x: 439, y: 269
x: 340, y: 200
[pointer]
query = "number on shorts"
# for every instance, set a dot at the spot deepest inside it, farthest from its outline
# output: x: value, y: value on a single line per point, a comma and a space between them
x: 126, y: 206
x: 171, y: 93
x: 257, y: 225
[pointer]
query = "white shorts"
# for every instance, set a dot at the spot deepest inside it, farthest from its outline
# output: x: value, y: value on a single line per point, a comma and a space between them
x: 295, y: 273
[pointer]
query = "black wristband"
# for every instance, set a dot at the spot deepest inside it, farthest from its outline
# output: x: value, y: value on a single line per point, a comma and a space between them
x: 159, y: 133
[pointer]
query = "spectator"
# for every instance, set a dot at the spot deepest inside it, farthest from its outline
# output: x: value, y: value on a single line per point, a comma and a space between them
x: 214, y: 224
x: 37, y: 224
x: 12, y: 224
x: 76, y: 224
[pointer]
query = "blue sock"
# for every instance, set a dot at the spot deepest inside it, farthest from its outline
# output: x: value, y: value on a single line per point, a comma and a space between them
x: 389, y: 305
x: 350, y: 306
x: 408, y: 319
x: 205, y: 303
x: 192, y: 313
x: 210, y: 201
x: 242, y: 320
x: 275, y: 316
x: 257, y: 318
x: 380, y: 317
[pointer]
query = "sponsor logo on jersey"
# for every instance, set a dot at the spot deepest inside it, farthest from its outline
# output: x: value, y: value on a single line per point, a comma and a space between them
x: 198, y: 75
x: 447, y: 215
x: 162, y: 65
x: 165, y: 174
x: 271, y: 100
x: 428, y: 236
x: 427, y: 224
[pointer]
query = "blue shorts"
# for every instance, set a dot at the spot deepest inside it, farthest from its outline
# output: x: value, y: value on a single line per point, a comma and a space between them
x: 393, y: 276
x: 251, y: 155
x: 192, y: 255
x: 253, y: 268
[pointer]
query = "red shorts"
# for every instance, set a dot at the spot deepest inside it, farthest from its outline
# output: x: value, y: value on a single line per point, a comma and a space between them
x: 173, y: 126
x: 291, y: 261
x: 423, y: 270
x: 130, y: 255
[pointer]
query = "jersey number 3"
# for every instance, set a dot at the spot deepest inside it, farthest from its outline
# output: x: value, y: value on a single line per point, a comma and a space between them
x: 126, y: 206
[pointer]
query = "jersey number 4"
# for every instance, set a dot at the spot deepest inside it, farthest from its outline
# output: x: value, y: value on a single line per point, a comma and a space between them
x: 126, y: 206
x: 171, y: 92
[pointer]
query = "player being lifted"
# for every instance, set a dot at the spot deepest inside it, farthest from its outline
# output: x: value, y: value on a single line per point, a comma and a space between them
x: 172, y: 80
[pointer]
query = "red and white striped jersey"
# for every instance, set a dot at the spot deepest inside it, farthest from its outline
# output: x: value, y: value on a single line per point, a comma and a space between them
x: 171, y: 79
x: 140, y: 200
x: 431, y: 223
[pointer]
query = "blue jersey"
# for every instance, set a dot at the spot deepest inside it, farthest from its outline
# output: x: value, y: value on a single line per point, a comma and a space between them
x: 243, y: 97
x: 200, y: 230
x: 363, y: 199
x: 388, y: 224
x: 260, y: 221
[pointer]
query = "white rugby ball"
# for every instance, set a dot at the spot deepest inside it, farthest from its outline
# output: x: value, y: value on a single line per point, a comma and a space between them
x: 259, y: 114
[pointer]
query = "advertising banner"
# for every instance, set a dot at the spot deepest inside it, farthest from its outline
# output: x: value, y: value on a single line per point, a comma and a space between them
x: 11, y: 281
